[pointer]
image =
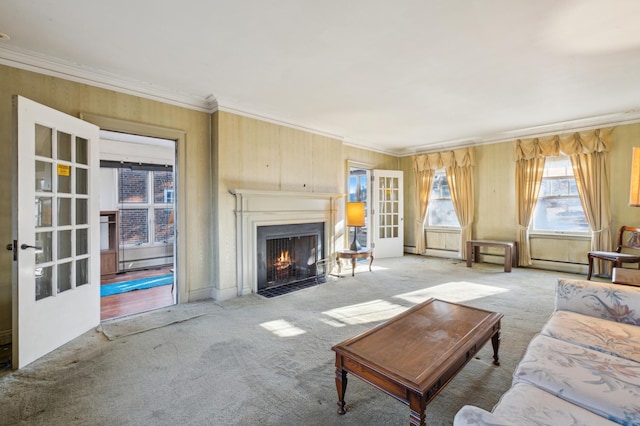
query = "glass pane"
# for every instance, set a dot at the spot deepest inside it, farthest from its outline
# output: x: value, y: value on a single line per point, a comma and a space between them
x: 82, y: 242
x: 43, y: 176
x: 43, y: 212
x: 82, y: 186
x: 134, y: 226
x: 81, y: 150
x: 133, y: 186
x: 163, y: 187
x: 442, y: 213
x: 64, y: 146
x: 44, y: 137
x: 64, y: 179
x: 560, y: 214
x: 44, y: 240
x: 64, y: 211
x: 43, y: 282
x: 64, y: 277
x: 64, y: 244
x: 440, y: 186
x: 82, y: 272
x: 164, y: 229
x: 81, y: 211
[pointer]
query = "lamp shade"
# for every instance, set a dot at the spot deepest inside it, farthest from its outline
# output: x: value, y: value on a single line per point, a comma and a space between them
x: 355, y: 214
x: 634, y: 183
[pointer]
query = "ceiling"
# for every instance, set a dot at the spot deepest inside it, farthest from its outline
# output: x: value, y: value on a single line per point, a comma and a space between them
x: 399, y: 77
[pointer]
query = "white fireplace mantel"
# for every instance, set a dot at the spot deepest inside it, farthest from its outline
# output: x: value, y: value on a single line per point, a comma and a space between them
x: 256, y: 208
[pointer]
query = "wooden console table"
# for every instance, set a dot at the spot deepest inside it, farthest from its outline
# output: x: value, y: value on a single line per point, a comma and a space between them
x: 415, y: 354
x: 510, y: 251
x: 353, y: 255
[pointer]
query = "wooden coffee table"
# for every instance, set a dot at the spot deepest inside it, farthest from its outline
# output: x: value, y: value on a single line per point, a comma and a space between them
x: 415, y: 354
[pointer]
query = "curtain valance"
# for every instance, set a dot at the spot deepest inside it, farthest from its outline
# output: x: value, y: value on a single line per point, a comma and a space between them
x: 462, y: 157
x: 586, y: 142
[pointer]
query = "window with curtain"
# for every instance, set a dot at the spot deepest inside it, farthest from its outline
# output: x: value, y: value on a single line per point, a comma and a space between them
x: 440, y: 211
x: 558, y: 208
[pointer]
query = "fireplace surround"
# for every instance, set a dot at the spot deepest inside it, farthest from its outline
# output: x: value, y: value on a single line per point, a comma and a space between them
x: 259, y: 208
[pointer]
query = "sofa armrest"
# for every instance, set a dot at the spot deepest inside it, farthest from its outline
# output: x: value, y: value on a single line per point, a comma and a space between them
x: 470, y: 415
x: 609, y: 301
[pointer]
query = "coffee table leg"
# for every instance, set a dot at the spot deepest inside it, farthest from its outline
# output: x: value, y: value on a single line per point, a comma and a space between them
x: 417, y: 406
x: 495, y: 342
x: 341, y: 387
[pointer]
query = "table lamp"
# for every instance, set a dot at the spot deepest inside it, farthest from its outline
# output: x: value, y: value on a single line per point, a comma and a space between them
x: 355, y: 218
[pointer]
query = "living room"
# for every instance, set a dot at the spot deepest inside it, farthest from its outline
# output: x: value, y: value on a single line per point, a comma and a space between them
x: 223, y: 150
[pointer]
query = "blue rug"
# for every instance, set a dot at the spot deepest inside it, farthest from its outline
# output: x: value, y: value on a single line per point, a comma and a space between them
x: 123, y: 287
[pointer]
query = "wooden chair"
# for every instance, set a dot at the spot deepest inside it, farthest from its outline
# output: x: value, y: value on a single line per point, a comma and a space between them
x: 628, y: 239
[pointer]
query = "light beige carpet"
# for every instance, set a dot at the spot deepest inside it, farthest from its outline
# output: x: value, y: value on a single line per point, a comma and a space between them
x: 258, y: 361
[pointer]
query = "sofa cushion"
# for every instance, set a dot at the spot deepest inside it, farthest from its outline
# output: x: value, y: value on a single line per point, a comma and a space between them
x: 602, y: 300
x: 605, y: 384
x: 602, y: 335
x: 475, y: 416
x: 525, y: 404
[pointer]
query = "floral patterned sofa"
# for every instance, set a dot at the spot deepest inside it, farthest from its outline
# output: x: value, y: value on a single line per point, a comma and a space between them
x: 582, y: 369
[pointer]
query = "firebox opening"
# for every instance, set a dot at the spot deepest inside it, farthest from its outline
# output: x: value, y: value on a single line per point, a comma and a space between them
x: 289, y: 254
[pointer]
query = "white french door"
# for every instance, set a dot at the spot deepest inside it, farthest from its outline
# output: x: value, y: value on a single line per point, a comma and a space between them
x: 388, y: 213
x: 56, y: 292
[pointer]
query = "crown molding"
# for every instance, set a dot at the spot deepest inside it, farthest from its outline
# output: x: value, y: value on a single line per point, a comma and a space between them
x: 230, y: 108
x: 580, y: 124
x: 43, y: 64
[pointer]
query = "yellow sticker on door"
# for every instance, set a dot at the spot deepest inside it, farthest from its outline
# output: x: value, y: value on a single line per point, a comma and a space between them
x: 64, y: 170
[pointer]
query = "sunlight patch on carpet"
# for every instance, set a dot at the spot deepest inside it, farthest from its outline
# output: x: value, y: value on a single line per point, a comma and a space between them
x: 363, y: 313
x: 282, y: 328
x: 455, y: 292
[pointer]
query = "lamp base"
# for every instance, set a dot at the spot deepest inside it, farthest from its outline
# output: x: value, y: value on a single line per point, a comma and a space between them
x: 355, y: 245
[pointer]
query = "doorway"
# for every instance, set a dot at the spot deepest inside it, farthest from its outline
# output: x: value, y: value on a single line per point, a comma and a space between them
x: 137, y: 221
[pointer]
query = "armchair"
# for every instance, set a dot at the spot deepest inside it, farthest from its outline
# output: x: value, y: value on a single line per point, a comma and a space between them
x: 628, y: 239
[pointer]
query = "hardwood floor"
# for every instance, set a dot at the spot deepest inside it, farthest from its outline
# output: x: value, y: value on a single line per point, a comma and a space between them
x: 133, y: 302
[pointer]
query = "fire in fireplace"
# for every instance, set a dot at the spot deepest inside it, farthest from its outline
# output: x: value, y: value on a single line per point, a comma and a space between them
x: 289, y: 253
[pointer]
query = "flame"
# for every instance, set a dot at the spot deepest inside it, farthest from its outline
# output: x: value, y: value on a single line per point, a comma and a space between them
x: 284, y: 257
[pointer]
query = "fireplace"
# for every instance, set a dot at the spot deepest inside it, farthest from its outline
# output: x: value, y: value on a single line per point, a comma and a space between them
x: 289, y: 254
x: 276, y: 211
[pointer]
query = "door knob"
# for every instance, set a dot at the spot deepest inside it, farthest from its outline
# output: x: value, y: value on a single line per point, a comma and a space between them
x: 26, y: 246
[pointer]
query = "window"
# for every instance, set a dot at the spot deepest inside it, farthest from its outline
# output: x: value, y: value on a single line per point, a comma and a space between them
x: 358, y: 180
x: 146, y: 203
x: 558, y: 208
x: 440, y: 211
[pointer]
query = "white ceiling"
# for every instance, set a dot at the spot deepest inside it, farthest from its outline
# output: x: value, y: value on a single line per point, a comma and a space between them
x: 399, y: 76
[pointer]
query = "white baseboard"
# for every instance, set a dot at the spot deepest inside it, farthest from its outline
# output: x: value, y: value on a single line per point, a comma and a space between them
x: 200, y: 294
x: 225, y: 293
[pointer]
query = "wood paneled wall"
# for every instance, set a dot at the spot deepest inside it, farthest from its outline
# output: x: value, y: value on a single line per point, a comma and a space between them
x: 253, y: 154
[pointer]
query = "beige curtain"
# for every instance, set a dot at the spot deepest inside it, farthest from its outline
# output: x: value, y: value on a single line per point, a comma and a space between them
x: 528, y: 178
x: 460, y: 179
x: 459, y: 168
x: 424, y: 180
x: 592, y: 178
x: 588, y: 153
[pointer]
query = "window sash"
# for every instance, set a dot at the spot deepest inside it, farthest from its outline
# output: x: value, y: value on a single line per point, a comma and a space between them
x: 154, y: 229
